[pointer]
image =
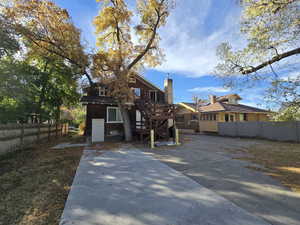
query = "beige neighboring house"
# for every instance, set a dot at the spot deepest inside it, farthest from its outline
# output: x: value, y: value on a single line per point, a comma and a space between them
x: 187, y: 116
x: 223, y: 109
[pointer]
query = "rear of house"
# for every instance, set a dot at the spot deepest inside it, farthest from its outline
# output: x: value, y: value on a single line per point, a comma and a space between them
x: 101, y: 106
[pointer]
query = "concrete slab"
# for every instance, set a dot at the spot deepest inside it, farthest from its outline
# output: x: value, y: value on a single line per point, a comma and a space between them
x: 129, y: 187
x: 204, y: 159
x: 69, y: 145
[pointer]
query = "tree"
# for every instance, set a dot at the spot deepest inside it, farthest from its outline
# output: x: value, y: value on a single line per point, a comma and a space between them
x: 35, y: 85
x: 272, y: 29
x: 52, y: 57
x: 119, y: 56
x: 49, y: 28
x: 8, y: 42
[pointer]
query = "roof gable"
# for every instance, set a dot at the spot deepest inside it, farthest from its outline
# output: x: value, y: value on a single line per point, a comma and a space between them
x: 148, y: 83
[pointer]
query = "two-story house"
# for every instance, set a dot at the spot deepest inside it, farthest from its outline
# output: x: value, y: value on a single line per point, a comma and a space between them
x: 99, y: 105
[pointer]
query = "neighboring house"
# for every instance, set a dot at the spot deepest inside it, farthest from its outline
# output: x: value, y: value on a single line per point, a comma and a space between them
x: 99, y: 105
x: 226, y: 109
x: 187, y: 115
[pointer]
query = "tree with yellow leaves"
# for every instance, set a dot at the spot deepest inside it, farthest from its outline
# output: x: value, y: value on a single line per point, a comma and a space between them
x: 47, y: 29
x: 272, y: 28
x: 124, y: 47
x: 272, y: 31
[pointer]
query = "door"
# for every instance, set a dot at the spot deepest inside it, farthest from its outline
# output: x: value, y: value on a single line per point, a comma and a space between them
x: 97, y: 130
x: 139, y: 120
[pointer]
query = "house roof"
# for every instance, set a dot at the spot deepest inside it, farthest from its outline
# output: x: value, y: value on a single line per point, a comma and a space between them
x: 188, y: 105
x: 143, y: 79
x: 191, y: 106
x: 224, y: 107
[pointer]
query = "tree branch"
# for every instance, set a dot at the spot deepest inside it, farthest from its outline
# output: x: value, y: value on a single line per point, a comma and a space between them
x: 273, y: 60
x: 143, y: 53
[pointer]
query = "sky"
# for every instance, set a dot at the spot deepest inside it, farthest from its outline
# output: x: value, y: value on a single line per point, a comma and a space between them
x: 194, y: 29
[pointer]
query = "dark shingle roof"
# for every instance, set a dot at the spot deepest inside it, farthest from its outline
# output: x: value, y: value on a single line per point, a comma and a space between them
x: 97, y: 100
x: 242, y: 108
x: 219, y: 107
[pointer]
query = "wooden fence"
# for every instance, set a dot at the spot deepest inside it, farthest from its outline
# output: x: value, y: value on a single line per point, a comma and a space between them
x: 18, y: 136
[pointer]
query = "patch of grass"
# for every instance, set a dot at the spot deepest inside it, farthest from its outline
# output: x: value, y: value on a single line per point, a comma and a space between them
x: 281, y: 160
x: 35, y: 182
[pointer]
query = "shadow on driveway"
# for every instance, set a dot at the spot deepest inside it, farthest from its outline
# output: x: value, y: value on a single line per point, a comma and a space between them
x: 129, y: 187
x: 204, y: 159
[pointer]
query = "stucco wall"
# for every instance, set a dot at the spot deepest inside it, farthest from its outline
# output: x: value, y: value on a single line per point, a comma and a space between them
x: 279, y: 131
x: 208, y: 126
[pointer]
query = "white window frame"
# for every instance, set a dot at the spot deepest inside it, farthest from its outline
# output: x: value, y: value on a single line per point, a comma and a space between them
x: 132, y: 80
x: 140, y: 92
x: 107, y: 114
x: 155, y: 95
x: 102, y: 90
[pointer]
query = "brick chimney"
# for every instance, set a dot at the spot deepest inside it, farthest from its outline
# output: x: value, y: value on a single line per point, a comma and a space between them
x: 168, y: 84
x: 212, y: 99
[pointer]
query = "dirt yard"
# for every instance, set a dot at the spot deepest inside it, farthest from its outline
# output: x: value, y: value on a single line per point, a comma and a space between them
x: 280, y: 160
x: 34, y: 183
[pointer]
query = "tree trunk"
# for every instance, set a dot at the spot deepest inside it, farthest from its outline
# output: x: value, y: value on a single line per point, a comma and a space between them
x: 126, y: 123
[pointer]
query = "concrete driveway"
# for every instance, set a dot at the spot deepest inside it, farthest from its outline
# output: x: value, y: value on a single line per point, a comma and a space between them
x: 130, y: 187
x: 204, y: 159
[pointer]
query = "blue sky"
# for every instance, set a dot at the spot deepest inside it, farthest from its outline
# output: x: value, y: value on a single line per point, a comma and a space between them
x: 194, y: 29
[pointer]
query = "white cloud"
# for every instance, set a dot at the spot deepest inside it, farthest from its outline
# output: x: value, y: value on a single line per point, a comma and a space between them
x: 291, y: 76
x: 192, y: 34
x: 209, y: 89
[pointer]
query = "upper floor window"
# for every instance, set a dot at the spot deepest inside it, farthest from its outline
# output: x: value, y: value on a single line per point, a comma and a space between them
x: 232, y: 101
x: 132, y: 80
x: 102, y: 91
x: 153, y: 96
x: 137, y: 92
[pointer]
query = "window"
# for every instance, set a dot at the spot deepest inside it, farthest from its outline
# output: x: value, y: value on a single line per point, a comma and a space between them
x: 102, y: 91
x: 245, y: 117
x: 132, y: 80
x: 241, y: 117
x: 194, y: 117
x: 215, y: 117
x: 232, y: 101
x: 226, y: 117
x: 231, y: 118
x: 137, y: 92
x: 153, y: 96
x: 114, y: 115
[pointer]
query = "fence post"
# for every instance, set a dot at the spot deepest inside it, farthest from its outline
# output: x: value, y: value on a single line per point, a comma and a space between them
x: 177, y: 136
x: 56, y: 130
x: 297, y: 131
x: 39, y: 131
x: 49, y: 130
x: 62, y: 129
x: 152, y: 138
x: 22, y: 136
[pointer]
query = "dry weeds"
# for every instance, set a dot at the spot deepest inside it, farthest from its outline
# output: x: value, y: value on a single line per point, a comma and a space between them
x: 281, y: 161
x: 34, y: 184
